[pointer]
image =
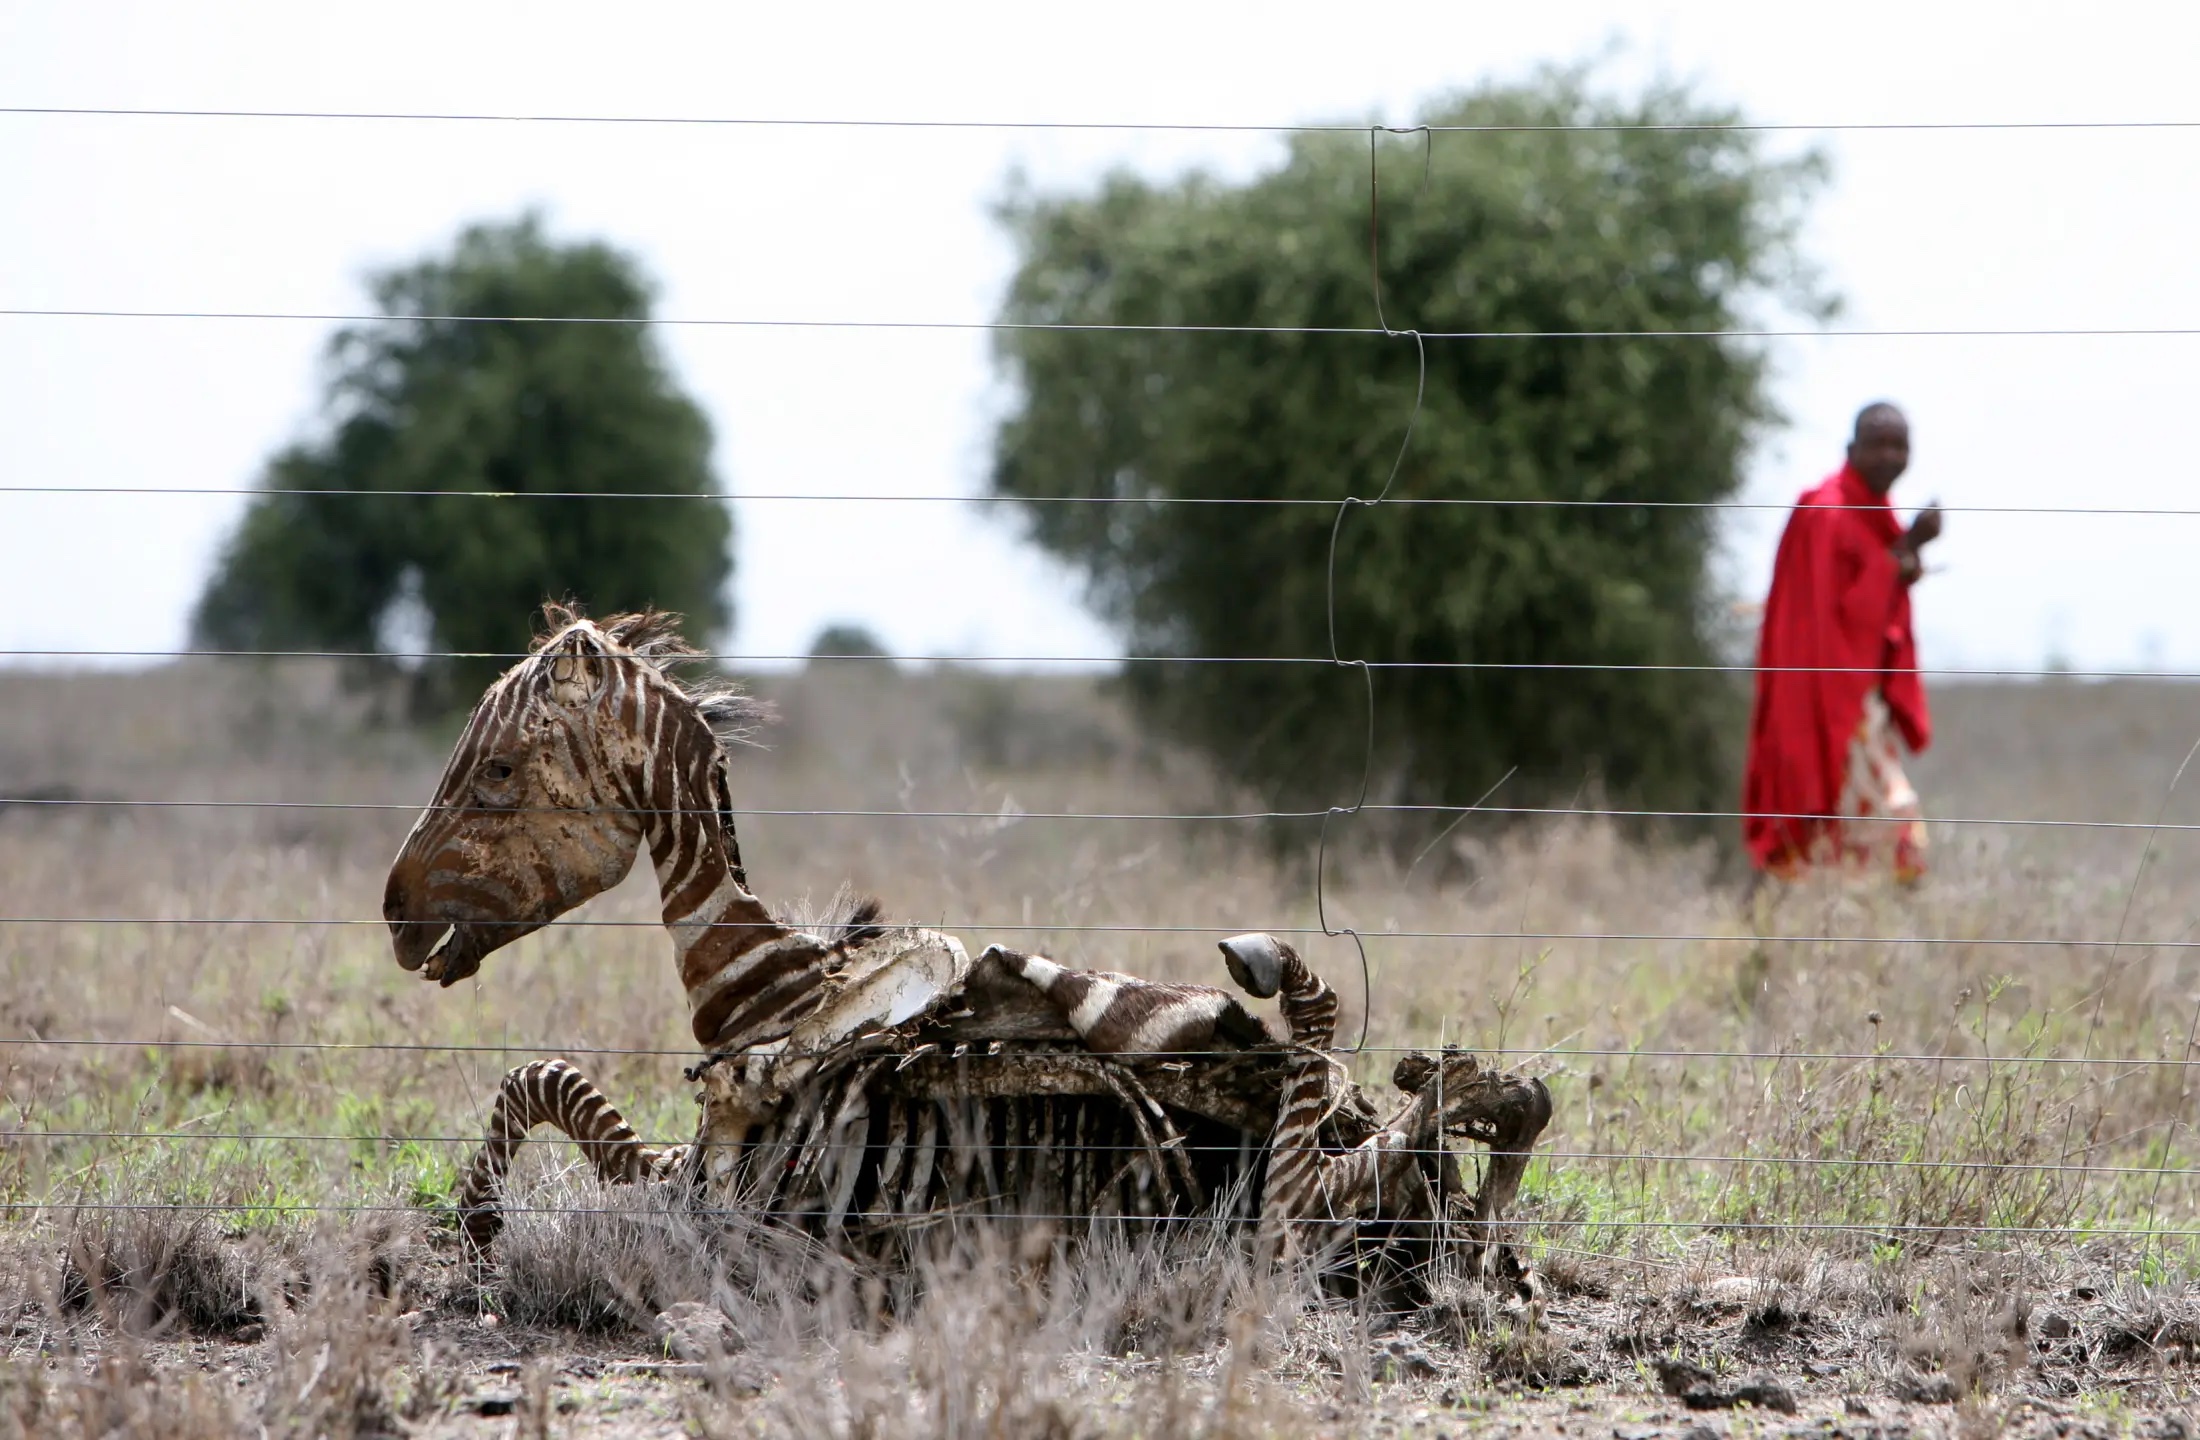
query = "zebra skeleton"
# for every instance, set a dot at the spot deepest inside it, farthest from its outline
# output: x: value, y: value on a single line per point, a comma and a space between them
x: 891, y: 1134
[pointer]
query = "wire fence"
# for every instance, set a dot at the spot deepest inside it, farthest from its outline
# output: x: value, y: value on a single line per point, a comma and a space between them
x: 2077, y: 942
x: 1011, y: 815
x: 17, y: 1040
x: 1191, y: 1148
x: 728, y: 322
x: 729, y: 658
x: 1106, y: 126
x: 1258, y: 502
x: 1562, y: 1052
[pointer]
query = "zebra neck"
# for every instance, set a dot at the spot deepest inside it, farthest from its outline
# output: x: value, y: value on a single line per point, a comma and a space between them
x: 725, y: 940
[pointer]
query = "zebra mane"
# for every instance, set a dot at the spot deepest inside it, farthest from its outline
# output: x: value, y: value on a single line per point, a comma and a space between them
x: 653, y: 636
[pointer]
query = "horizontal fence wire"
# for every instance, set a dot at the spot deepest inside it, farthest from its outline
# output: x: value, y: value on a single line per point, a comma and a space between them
x: 1988, y: 672
x: 819, y: 122
x: 1182, y: 1146
x: 1011, y: 816
x: 1494, y: 502
x: 1033, y: 926
x: 1528, y: 1052
x: 341, y: 317
x: 947, y: 1216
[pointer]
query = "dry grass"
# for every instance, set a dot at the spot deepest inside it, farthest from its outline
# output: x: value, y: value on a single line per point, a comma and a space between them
x: 1933, y: 1137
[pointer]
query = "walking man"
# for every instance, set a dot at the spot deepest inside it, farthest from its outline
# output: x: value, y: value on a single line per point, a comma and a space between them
x: 1837, y: 681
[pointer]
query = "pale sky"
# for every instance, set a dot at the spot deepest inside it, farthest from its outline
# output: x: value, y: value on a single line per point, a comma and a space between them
x: 1919, y: 230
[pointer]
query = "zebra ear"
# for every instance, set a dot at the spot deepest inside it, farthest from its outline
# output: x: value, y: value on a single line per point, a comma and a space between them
x: 577, y: 666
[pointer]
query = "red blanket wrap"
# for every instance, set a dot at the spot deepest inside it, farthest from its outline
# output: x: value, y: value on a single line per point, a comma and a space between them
x: 1836, y: 627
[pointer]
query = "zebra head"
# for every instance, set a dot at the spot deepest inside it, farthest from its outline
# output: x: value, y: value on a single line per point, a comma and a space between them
x: 571, y: 758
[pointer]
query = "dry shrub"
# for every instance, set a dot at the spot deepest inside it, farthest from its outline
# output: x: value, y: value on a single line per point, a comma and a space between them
x: 335, y: 1342
x: 1504, y: 1343
x: 223, y: 1071
x: 162, y: 1271
x: 1000, y: 1337
x: 119, y: 1394
x: 578, y: 1255
x: 153, y: 1270
x: 338, y: 1354
x: 1974, y: 1341
x: 2152, y: 1324
x: 1961, y: 1332
x: 1170, y: 1294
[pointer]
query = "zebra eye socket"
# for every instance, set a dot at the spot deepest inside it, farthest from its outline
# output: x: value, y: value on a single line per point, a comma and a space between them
x: 496, y: 772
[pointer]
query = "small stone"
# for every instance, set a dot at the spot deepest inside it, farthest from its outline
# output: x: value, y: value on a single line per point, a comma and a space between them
x: 489, y: 1321
x: 1678, y: 1377
x: 737, y: 1375
x: 1737, y: 1291
x: 691, y: 1330
x: 1399, y: 1361
x: 1766, y: 1393
x: 1935, y: 1389
x: 1699, y: 1432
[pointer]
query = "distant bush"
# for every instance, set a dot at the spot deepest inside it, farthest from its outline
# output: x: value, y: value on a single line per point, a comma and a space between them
x: 1581, y: 454
x: 439, y: 397
x: 847, y: 641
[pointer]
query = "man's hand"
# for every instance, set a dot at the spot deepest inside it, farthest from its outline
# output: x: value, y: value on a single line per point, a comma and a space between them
x: 1909, y: 550
x: 1925, y: 529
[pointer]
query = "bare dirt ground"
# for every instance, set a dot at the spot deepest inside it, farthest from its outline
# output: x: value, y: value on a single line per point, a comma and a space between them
x: 1911, y: 1163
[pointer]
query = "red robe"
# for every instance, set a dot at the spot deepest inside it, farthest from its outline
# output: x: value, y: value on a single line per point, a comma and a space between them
x: 1836, y: 626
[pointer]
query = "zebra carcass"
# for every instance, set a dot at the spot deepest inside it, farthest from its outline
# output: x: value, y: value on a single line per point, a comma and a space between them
x: 871, y: 1087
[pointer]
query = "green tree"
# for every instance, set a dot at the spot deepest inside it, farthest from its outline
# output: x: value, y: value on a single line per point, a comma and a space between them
x: 428, y: 400
x: 845, y: 639
x: 1592, y: 227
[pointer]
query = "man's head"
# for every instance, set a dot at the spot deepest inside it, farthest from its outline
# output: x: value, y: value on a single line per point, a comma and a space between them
x: 1879, y: 450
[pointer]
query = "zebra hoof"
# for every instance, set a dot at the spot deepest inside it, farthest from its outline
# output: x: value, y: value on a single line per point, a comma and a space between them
x: 1256, y: 963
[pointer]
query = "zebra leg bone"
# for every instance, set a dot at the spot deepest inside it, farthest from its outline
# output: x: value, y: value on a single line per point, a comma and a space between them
x: 1506, y: 1112
x: 547, y: 1092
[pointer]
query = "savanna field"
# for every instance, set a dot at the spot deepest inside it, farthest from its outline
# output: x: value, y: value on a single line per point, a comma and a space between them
x: 1927, y: 1169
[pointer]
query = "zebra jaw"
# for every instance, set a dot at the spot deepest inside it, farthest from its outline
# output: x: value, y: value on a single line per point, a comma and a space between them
x: 459, y: 955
